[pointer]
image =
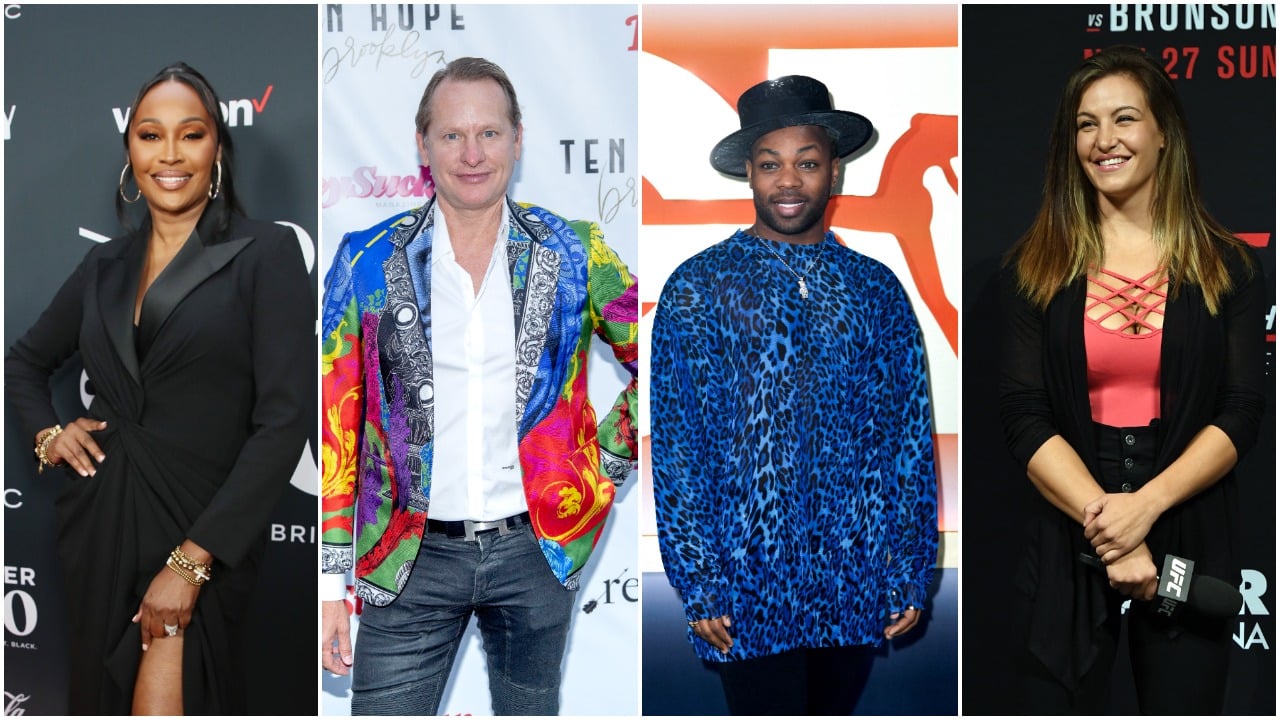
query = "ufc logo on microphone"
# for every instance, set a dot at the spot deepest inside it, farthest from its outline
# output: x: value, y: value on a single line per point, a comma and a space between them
x: 1177, y: 572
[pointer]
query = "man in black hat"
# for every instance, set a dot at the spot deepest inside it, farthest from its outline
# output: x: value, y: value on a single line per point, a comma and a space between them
x: 793, y: 464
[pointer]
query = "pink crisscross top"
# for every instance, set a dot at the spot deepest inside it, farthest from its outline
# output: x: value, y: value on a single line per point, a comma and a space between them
x: 1123, y: 324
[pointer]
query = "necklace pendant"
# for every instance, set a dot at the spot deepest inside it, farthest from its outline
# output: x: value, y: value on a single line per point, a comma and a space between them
x: 804, y: 290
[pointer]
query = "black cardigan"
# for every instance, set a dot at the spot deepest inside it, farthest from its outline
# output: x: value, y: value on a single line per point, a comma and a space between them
x: 1211, y: 373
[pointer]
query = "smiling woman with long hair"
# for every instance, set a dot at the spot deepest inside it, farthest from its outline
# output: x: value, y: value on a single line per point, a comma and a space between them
x: 1131, y: 383
x: 195, y: 329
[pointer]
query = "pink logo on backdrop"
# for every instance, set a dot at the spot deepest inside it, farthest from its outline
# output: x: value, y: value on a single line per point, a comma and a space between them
x: 368, y: 181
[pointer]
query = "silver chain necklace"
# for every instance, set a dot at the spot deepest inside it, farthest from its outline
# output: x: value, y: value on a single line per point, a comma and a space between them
x: 804, y: 289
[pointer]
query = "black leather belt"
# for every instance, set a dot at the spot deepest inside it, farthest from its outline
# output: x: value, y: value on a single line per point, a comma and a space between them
x: 470, y: 528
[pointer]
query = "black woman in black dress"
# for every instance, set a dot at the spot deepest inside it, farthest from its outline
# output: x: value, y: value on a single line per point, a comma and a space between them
x: 196, y: 329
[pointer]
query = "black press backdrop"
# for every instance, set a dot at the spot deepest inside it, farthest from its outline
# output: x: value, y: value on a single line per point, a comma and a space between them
x: 70, y: 74
x: 1015, y: 62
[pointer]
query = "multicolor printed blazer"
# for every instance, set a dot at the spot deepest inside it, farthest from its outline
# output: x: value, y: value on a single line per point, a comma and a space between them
x: 377, y: 393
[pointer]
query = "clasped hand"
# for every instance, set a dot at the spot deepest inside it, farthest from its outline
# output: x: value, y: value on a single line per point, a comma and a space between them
x: 1116, y: 523
x: 1134, y: 575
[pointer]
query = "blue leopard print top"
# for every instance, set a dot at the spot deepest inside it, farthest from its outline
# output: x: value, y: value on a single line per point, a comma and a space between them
x: 793, y: 465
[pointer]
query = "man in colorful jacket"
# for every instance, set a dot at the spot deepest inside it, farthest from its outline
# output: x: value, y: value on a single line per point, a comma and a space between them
x: 463, y: 468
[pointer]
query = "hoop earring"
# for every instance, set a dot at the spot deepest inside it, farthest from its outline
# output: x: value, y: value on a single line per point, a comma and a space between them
x: 123, y: 197
x: 216, y: 187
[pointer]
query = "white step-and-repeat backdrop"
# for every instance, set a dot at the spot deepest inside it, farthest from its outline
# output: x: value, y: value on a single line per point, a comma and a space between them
x: 574, y: 70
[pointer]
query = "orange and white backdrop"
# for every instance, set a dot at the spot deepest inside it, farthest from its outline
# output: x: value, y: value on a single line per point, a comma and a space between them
x: 897, y: 202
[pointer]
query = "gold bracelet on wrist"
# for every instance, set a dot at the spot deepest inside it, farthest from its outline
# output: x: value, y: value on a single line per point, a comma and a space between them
x: 196, y: 573
x: 43, y: 442
x: 183, y: 572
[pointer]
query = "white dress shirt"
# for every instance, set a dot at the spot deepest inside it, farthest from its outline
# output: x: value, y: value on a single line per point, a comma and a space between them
x: 475, y: 470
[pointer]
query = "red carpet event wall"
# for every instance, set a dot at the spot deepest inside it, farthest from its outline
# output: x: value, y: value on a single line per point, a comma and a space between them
x: 897, y: 202
x: 71, y: 73
x: 1016, y: 60
x: 574, y: 72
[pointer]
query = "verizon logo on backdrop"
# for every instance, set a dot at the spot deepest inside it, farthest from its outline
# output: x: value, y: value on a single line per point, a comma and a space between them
x: 236, y: 112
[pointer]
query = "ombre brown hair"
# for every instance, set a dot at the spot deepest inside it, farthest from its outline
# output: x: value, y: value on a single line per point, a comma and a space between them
x: 1065, y: 241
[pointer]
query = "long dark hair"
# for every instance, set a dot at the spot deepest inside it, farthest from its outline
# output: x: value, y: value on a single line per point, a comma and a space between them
x: 220, y: 208
x: 1064, y: 241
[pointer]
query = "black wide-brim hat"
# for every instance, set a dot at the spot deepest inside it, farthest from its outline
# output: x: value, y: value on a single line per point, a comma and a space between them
x: 786, y: 102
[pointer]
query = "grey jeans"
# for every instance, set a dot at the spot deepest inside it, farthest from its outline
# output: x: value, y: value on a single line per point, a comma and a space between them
x: 405, y: 651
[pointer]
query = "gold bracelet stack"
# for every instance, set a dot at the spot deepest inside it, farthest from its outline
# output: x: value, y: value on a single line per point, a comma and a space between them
x: 42, y: 446
x: 196, y: 573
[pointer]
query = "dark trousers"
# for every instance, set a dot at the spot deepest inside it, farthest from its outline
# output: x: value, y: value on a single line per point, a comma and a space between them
x: 1178, y: 668
x: 805, y: 681
x: 1177, y: 671
x: 405, y: 651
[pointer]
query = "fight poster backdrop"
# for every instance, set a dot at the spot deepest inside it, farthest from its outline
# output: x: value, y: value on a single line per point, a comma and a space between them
x: 1016, y: 61
x: 896, y: 202
x: 70, y: 75
x: 574, y: 72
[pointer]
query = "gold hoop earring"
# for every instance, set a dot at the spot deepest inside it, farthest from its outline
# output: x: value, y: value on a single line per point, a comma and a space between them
x: 216, y: 187
x: 124, y: 197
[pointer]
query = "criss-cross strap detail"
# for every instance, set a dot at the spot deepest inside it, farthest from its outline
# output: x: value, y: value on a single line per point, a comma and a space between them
x: 1134, y: 300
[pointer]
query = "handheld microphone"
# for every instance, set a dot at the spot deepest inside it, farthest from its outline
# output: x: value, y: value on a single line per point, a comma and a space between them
x: 1179, y: 589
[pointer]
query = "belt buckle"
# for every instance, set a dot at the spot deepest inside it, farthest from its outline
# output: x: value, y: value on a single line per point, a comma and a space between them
x: 503, y: 526
x: 471, y: 527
